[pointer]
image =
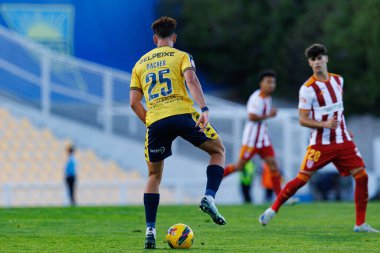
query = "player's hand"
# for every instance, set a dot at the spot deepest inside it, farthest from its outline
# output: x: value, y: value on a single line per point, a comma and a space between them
x: 202, y: 121
x: 331, y: 123
x: 351, y: 134
x: 273, y: 112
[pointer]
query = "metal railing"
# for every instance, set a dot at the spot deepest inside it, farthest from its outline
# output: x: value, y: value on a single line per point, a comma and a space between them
x: 97, y: 96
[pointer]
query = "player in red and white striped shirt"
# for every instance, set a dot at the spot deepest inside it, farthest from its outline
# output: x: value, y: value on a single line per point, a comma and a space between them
x: 256, y: 138
x: 321, y: 109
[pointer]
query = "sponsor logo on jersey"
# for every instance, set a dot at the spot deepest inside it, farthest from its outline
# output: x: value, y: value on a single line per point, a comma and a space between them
x: 303, y: 100
x: 331, y: 108
x: 156, y: 55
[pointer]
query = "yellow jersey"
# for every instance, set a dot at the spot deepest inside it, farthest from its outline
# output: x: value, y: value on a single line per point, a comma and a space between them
x: 159, y: 76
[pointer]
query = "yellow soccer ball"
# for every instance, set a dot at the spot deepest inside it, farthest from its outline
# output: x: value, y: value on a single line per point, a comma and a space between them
x: 180, y: 236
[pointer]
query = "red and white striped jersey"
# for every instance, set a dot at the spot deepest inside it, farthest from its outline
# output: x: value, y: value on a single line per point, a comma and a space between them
x: 325, y: 100
x: 256, y: 134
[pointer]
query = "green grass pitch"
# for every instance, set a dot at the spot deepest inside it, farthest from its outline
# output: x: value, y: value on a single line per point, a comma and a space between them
x: 317, y: 227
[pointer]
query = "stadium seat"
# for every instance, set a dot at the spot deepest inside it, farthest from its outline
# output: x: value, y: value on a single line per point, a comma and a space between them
x: 32, y: 161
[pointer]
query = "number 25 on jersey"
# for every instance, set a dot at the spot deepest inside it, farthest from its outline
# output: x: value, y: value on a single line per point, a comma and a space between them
x: 164, y: 81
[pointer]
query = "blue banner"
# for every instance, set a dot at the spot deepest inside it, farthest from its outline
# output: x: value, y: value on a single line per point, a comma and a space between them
x: 114, y: 32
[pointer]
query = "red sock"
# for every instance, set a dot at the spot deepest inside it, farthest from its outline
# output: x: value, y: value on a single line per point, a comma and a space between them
x: 289, y: 190
x: 361, y: 196
x: 276, y: 181
x: 229, y: 169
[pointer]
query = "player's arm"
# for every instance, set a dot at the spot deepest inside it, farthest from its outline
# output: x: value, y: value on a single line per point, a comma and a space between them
x: 135, y: 97
x: 254, y: 117
x: 306, y: 121
x: 196, y: 91
x: 255, y: 107
x: 195, y: 87
x: 306, y: 98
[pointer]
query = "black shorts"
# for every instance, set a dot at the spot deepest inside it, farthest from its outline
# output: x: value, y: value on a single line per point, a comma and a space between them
x: 160, y: 135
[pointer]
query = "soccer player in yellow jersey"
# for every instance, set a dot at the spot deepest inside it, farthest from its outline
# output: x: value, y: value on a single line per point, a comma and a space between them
x: 161, y: 77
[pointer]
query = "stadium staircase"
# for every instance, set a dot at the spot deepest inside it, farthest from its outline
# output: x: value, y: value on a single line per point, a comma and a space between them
x: 32, y: 162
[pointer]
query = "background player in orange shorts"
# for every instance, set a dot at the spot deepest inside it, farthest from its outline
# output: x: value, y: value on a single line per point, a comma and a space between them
x: 256, y: 138
x: 321, y: 109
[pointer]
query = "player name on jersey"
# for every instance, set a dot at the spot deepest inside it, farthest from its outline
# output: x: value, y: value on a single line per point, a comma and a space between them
x: 156, y: 64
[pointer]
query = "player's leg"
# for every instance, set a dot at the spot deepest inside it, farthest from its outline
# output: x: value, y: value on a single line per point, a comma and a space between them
x: 215, y: 171
x: 246, y: 153
x: 315, y: 158
x: 158, y: 140
x: 349, y: 161
x: 361, y: 194
x: 210, y: 142
x: 268, y: 155
x: 233, y: 167
x: 291, y: 188
x: 361, y: 200
x: 287, y: 192
x: 151, y: 201
x: 270, y: 161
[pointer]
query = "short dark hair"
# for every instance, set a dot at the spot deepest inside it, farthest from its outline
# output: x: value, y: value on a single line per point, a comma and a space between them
x: 267, y: 72
x: 164, y: 26
x: 315, y: 50
x: 71, y: 149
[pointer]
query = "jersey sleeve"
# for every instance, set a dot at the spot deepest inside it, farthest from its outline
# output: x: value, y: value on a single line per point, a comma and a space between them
x: 135, y: 81
x: 306, y: 96
x: 255, y: 105
x: 187, y: 63
x: 341, y: 81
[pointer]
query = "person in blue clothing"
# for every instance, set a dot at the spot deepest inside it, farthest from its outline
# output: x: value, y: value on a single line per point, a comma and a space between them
x: 70, y: 173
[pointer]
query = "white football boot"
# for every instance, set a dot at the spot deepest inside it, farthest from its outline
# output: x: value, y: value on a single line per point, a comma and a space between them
x: 365, y: 228
x: 265, y: 218
x: 207, y: 205
x: 150, y: 240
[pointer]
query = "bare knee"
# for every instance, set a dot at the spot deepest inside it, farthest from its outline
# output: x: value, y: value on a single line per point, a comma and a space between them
x: 214, y: 147
x: 154, y: 182
x: 220, y: 150
x: 154, y: 175
x: 155, y: 171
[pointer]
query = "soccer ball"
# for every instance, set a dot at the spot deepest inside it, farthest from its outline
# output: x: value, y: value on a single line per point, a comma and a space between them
x: 180, y: 236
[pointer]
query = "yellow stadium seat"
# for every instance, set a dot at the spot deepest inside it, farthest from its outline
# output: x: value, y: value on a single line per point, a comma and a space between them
x: 25, y: 123
x: 33, y: 156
